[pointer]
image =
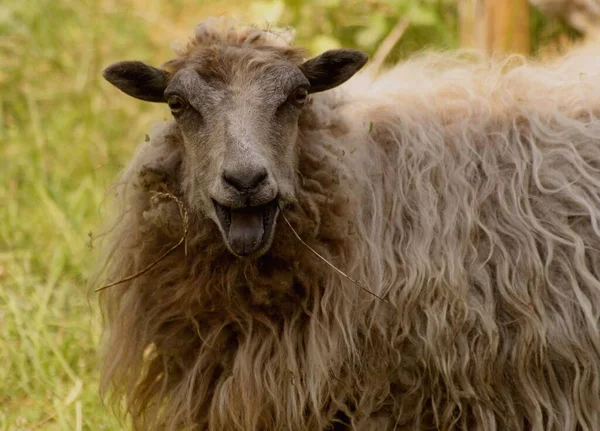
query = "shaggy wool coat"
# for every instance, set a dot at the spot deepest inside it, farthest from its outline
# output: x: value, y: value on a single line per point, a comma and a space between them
x: 462, y: 191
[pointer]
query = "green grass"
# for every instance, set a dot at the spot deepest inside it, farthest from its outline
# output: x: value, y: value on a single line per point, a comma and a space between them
x: 64, y: 135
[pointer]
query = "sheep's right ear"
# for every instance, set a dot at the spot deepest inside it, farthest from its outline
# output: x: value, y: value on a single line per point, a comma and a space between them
x: 138, y: 79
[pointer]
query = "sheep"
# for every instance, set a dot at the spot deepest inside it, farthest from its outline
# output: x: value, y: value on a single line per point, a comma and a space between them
x: 463, y: 192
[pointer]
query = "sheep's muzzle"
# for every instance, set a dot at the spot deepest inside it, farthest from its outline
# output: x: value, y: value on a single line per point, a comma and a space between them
x: 249, y: 230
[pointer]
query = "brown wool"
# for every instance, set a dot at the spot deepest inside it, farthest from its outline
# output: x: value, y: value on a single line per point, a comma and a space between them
x: 465, y: 192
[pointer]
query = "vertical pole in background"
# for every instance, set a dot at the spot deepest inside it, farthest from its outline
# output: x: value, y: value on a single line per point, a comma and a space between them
x: 495, y: 26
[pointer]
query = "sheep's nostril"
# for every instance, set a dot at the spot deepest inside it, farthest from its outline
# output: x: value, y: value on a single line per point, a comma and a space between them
x: 245, y: 179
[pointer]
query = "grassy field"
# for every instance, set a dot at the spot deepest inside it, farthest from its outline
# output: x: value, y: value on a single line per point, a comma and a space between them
x: 64, y: 135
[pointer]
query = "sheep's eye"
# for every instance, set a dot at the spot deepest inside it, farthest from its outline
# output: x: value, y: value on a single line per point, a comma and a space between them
x: 300, y: 95
x: 176, y: 104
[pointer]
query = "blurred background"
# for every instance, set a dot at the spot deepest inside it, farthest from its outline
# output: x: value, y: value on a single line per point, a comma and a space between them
x: 65, y: 134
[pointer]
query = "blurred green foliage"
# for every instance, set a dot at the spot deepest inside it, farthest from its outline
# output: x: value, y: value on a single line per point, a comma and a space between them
x: 329, y: 24
x: 326, y: 24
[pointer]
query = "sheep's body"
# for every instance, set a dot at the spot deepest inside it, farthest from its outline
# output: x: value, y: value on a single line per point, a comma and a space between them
x: 465, y: 193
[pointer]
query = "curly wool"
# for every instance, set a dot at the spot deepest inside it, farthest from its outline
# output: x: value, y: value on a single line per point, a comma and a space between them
x: 464, y: 191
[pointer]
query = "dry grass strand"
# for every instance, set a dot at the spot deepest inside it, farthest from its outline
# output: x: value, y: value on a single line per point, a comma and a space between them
x: 184, y: 217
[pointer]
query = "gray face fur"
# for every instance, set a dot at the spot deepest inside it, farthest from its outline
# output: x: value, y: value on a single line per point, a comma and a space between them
x: 239, y: 134
x: 239, y: 145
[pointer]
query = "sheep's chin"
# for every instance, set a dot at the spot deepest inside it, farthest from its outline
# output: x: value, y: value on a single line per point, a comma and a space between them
x: 248, y: 231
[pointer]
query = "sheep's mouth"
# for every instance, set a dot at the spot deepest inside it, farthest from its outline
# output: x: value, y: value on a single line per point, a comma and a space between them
x: 247, y: 231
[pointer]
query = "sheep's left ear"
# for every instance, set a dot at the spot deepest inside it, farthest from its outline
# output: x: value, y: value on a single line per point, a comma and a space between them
x: 332, y: 68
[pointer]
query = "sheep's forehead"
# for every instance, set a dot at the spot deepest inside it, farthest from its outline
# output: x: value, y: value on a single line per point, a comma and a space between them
x: 262, y: 76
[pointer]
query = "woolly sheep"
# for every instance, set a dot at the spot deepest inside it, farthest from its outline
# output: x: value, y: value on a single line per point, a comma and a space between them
x: 463, y: 192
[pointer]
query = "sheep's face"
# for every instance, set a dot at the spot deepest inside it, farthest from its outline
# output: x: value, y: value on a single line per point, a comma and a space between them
x: 238, y: 109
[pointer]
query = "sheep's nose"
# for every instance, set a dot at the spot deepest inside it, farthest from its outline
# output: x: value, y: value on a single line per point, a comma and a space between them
x: 244, y: 180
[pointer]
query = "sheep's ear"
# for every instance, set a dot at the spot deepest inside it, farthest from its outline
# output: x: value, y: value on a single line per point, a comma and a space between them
x: 332, y: 68
x: 137, y: 79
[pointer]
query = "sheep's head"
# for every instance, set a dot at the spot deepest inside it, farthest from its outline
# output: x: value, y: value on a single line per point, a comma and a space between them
x: 237, y: 106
